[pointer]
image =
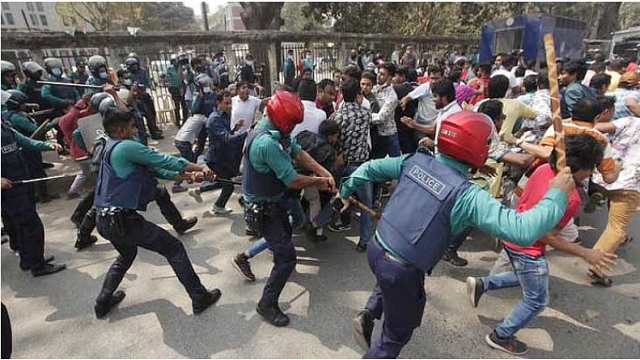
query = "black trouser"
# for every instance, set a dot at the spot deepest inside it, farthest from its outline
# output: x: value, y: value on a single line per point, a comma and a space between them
x: 142, y: 233
x: 179, y: 103
x: 83, y: 207
x: 7, y: 340
x: 276, y: 230
x: 167, y: 208
x: 149, y: 112
x: 407, y: 138
x: 24, y: 225
x: 456, y: 241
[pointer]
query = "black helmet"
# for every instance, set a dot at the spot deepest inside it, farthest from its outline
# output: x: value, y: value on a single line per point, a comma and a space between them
x: 7, y: 67
x: 31, y: 70
x: 130, y: 61
x: 106, y: 104
x: 95, y: 62
x: 96, y: 99
x: 16, y: 99
x: 202, y: 80
x: 52, y: 63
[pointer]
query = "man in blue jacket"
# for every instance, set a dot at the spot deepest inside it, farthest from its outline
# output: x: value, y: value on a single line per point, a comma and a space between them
x: 432, y: 201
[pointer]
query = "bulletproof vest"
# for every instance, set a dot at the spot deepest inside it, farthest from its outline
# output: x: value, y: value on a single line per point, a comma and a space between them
x: 140, y: 76
x: 255, y: 183
x: 415, y: 225
x: 133, y: 192
x: 62, y: 92
x: 207, y: 104
x: 13, y: 163
x: 8, y: 116
x: 33, y: 90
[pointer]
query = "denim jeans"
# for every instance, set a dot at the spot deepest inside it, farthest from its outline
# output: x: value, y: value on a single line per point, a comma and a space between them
x: 532, y: 274
x: 365, y: 196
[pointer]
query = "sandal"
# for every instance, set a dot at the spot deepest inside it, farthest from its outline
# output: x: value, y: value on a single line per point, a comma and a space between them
x: 604, y: 280
x: 627, y: 240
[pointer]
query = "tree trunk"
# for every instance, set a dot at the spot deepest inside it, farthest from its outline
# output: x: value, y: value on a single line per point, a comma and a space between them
x: 608, y: 19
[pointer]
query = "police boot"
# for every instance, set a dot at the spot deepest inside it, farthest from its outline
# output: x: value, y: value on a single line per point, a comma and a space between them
x: 102, y: 308
x: 185, y: 224
x: 82, y: 242
x: 363, y: 329
x: 270, y: 311
x: 209, y: 299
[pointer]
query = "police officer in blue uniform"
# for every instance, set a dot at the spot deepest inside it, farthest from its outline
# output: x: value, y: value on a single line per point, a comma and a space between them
x: 126, y: 184
x: 80, y: 76
x: 432, y: 201
x: 8, y: 75
x: 99, y: 72
x: 268, y: 172
x: 18, y: 203
x: 141, y: 78
x: 58, y: 97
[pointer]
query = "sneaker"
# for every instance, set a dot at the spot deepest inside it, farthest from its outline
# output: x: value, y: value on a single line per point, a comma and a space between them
x: 178, y: 189
x: 210, y: 299
x: 475, y: 289
x: 221, y: 210
x: 509, y: 345
x: 241, y: 263
x: 195, y: 194
x: 84, y: 243
x: 594, y: 200
x: 339, y: 227
x: 363, y: 329
x: 454, y: 259
x: 102, y: 309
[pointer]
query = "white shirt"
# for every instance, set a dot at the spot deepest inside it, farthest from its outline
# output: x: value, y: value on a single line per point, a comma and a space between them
x: 427, y: 112
x: 245, y: 110
x: 509, y: 75
x: 312, y: 118
x: 191, y: 127
x: 450, y: 109
x: 625, y: 146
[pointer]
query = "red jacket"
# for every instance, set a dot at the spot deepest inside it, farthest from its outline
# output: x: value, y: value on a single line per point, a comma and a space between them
x: 69, y: 123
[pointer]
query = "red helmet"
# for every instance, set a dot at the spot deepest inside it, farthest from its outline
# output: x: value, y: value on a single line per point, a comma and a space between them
x: 285, y: 111
x: 466, y: 136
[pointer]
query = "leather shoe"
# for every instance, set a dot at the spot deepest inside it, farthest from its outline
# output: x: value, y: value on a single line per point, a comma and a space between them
x: 102, y: 309
x: 186, y: 224
x: 46, y: 260
x: 209, y: 299
x: 454, y: 259
x: 47, y: 269
x: 84, y: 243
x: 272, y: 314
x: 363, y: 329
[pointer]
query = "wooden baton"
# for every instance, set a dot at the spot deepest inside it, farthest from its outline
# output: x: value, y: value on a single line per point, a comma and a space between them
x: 364, y: 207
x: 558, y: 132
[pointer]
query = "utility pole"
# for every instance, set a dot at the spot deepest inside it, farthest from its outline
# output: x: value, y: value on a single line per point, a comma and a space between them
x: 205, y: 16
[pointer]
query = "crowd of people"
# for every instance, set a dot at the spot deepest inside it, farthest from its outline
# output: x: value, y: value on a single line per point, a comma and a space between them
x: 438, y: 151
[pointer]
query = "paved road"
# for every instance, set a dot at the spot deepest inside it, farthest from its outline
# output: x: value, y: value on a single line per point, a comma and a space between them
x: 52, y: 316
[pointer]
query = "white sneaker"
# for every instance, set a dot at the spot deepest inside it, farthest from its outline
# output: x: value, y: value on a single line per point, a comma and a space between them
x: 221, y: 211
x: 195, y: 194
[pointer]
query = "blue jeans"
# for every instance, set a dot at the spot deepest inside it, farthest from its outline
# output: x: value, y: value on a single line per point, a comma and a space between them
x: 532, y: 274
x: 185, y: 151
x: 365, y: 196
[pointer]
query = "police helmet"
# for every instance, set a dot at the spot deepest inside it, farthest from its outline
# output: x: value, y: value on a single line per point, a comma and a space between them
x: 134, y: 55
x: 16, y: 99
x: 95, y: 62
x: 122, y: 72
x: 202, y: 80
x: 130, y: 61
x: 7, y: 67
x: 106, y: 104
x: 80, y: 62
x: 32, y: 70
x: 96, y: 99
x: 52, y: 63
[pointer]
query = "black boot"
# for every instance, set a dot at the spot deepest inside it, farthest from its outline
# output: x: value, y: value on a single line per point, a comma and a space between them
x: 102, y: 308
x: 186, y: 224
x: 209, y: 299
x: 272, y: 313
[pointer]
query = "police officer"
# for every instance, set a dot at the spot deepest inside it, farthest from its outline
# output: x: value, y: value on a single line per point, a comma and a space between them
x: 143, y: 81
x: 432, y: 201
x: 126, y: 184
x: 33, y: 73
x: 58, y: 97
x: 18, y: 203
x: 99, y: 72
x: 80, y: 76
x: 268, y: 171
x: 16, y: 116
x: 176, y: 89
x: 8, y: 75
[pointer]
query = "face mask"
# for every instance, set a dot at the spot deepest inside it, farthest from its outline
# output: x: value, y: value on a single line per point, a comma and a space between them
x: 206, y: 89
x: 104, y: 75
x: 56, y: 72
x: 128, y: 82
x: 249, y: 62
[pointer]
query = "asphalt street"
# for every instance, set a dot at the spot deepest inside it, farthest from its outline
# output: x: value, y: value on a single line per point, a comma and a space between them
x: 52, y: 316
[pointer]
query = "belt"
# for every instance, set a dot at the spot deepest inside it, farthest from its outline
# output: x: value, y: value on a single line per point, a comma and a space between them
x: 389, y: 255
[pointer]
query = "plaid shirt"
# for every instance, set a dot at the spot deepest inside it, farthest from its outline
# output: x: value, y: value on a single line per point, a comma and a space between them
x: 354, y: 122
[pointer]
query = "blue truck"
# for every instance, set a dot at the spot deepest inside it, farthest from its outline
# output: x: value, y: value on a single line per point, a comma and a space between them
x: 524, y: 33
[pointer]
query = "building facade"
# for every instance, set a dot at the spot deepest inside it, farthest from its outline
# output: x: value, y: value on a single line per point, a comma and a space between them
x: 33, y: 16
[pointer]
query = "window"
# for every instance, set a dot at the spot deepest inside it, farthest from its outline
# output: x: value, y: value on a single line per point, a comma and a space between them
x: 39, y: 7
x: 34, y: 19
x: 508, y: 40
x: 43, y: 20
x: 30, y: 6
x: 5, y: 6
x: 9, y: 19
